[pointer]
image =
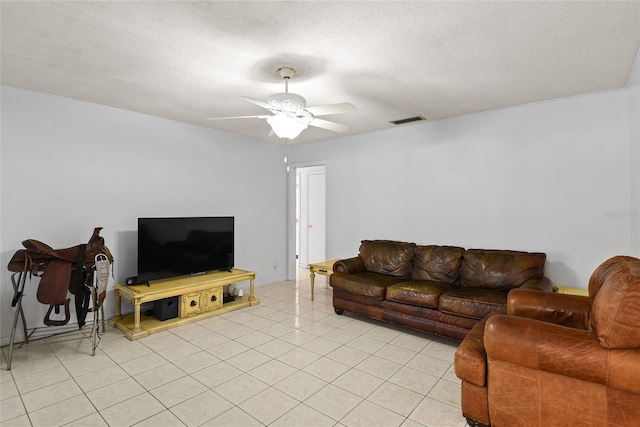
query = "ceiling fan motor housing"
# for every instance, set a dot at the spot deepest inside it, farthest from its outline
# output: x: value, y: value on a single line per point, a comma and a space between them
x: 287, y: 102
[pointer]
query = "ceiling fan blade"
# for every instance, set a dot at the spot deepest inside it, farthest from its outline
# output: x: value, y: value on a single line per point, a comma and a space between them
x: 240, y: 117
x: 323, y: 110
x: 258, y: 102
x: 326, y: 124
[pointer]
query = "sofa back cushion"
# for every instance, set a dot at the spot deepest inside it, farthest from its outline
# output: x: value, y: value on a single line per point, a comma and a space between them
x: 500, y: 270
x: 615, y: 314
x: 437, y: 263
x: 387, y: 257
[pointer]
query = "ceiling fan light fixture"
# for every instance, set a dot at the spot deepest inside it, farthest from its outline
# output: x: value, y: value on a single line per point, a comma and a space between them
x: 286, y: 126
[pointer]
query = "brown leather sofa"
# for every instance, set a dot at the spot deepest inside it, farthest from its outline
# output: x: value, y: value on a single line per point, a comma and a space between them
x: 444, y: 290
x: 557, y: 359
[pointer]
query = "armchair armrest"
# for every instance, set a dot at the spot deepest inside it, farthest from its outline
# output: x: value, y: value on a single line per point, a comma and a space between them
x: 561, y: 309
x: 560, y: 350
x: 470, y: 359
x: 538, y: 283
x: 349, y: 265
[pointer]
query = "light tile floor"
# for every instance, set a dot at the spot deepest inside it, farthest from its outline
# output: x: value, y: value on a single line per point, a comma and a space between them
x: 288, y: 361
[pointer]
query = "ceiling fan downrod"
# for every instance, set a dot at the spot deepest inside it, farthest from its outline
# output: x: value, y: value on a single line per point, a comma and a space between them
x: 286, y: 73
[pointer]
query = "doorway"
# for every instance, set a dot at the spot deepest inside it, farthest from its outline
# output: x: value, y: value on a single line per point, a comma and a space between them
x: 308, y: 213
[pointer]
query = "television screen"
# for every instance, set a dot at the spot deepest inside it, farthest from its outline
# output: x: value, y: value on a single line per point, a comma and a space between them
x: 169, y: 247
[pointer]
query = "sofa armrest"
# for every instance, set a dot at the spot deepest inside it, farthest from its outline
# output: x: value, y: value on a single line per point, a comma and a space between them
x: 538, y: 284
x: 349, y: 265
x: 561, y: 309
x: 560, y: 350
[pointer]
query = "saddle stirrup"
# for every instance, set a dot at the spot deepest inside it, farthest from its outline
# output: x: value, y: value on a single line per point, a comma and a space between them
x: 67, y: 315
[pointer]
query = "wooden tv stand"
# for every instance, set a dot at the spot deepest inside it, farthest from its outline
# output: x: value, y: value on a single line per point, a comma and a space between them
x: 199, y: 297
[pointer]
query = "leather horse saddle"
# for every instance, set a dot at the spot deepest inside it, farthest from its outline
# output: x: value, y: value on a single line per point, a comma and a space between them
x: 61, y: 271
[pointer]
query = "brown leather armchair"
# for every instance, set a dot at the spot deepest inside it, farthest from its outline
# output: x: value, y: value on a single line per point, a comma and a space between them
x: 557, y: 359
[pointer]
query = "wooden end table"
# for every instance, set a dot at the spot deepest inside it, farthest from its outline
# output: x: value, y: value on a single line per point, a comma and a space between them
x: 325, y: 268
x: 571, y: 291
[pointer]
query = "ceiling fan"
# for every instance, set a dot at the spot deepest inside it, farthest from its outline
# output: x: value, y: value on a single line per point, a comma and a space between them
x: 289, y: 113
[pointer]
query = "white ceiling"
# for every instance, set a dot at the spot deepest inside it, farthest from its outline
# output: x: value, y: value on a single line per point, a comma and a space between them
x: 187, y: 61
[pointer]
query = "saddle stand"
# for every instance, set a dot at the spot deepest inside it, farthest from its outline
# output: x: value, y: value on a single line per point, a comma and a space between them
x: 60, y: 271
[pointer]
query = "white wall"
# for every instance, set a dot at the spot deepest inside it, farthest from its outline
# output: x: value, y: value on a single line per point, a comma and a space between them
x: 634, y: 157
x: 546, y: 177
x: 68, y: 166
x: 550, y: 177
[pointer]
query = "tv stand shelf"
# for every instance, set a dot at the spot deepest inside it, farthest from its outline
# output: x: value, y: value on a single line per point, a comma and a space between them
x: 199, y: 297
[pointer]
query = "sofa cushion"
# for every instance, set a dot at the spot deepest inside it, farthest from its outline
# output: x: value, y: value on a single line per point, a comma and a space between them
x: 500, y: 270
x: 437, y: 263
x: 615, y: 314
x: 387, y: 257
x: 368, y: 284
x: 423, y: 293
x: 473, y: 302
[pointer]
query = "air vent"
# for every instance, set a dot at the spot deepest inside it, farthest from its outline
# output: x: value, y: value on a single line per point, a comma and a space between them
x: 409, y: 120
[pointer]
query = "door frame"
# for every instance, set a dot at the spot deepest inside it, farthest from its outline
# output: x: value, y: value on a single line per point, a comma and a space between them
x: 291, y: 213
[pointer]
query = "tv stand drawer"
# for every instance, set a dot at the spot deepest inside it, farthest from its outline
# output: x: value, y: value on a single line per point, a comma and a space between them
x: 212, y: 299
x: 191, y: 304
x: 199, y: 302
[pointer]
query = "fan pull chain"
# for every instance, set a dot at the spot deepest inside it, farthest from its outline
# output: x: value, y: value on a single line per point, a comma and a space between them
x: 286, y: 153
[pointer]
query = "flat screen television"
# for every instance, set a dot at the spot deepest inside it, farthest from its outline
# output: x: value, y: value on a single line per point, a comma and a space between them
x: 171, y: 247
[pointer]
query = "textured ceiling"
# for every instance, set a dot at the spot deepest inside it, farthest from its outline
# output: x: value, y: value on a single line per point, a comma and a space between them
x: 187, y: 61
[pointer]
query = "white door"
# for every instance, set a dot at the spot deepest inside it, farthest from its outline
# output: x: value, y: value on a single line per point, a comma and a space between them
x: 317, y: 218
